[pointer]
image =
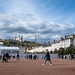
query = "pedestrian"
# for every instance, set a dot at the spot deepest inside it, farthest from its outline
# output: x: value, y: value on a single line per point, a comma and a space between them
x: 27, y: 57
x: 4, y: 58
x: 42, y: 57
x: 47, y: 57
x: 7, y: 56
x: 31, y: 56
x: 72, y: 56
x: 18, y: 56
x: 69, y: 56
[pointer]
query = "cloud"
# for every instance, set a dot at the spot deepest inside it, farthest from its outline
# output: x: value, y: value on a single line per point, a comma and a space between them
x: 23, y: 24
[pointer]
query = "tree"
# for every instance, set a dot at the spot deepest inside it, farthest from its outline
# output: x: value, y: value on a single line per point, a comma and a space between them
x: 55, y: 51
x: 69, y: 50
x: 61, y: 52
x: 73, y: 50
x: 51, y: 52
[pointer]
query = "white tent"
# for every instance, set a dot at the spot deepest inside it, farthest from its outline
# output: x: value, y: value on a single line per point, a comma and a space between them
x: 4, y: 49
x: 9, y: 48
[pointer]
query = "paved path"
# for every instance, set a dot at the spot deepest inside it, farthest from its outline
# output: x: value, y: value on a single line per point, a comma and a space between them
x: 34, y: 67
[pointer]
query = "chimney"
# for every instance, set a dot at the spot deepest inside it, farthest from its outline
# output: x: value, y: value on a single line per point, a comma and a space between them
x: 49, y: 43
x: 61, y: 38
x: 54, y: 41
x: 65, y: 36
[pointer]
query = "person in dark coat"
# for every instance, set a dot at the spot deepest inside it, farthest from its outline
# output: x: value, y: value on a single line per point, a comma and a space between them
x: 18, y: 56
x: 4, y: 58
x: 7, y: 56
x: 47, y: 57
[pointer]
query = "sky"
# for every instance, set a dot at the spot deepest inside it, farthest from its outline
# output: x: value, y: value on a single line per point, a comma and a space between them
x: 48, y: 20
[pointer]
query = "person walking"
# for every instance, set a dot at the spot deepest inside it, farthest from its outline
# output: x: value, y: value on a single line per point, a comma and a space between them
x: 47, y: 57
x: 18, y: 56
x: 4, y: 58
x: 7, y: 56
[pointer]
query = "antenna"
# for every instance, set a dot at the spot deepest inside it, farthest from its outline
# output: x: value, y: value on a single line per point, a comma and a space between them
x: 35, y: 40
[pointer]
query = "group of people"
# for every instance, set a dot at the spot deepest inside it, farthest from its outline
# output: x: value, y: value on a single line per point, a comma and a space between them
x: 47, y: 57
x: 5, y: 57
x: 30, y: 56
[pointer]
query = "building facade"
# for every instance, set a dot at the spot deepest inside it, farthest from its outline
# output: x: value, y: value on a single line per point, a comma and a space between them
x: 64, y: 43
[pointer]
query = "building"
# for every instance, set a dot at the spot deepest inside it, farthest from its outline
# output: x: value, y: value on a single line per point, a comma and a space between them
x: 19, y: 38
x: 1, y: 42
x: 21, y: 50
x: 36, y: 49
x: 64, y: 43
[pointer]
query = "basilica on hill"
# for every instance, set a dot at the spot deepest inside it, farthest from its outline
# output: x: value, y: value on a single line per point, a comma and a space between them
x: 19, y: 38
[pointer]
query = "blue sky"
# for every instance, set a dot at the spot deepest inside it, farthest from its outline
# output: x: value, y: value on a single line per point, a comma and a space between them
x: 45, y: 19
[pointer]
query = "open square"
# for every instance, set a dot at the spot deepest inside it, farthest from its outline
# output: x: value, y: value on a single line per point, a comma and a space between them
x: 35, y: 67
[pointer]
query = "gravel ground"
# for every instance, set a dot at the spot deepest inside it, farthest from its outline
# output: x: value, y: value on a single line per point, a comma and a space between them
x: 35, y: 67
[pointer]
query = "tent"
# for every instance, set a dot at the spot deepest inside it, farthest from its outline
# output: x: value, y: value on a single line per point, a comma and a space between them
x: 9, y: 49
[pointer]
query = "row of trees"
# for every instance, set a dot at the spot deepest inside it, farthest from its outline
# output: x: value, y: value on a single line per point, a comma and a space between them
x: 64, y: 51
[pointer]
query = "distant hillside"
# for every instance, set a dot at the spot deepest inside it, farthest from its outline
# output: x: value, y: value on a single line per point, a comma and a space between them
x: 27, y: 44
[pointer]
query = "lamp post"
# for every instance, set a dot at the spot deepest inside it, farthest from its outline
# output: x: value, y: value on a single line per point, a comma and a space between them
x: 64, y: 48
x: 25, y: 47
